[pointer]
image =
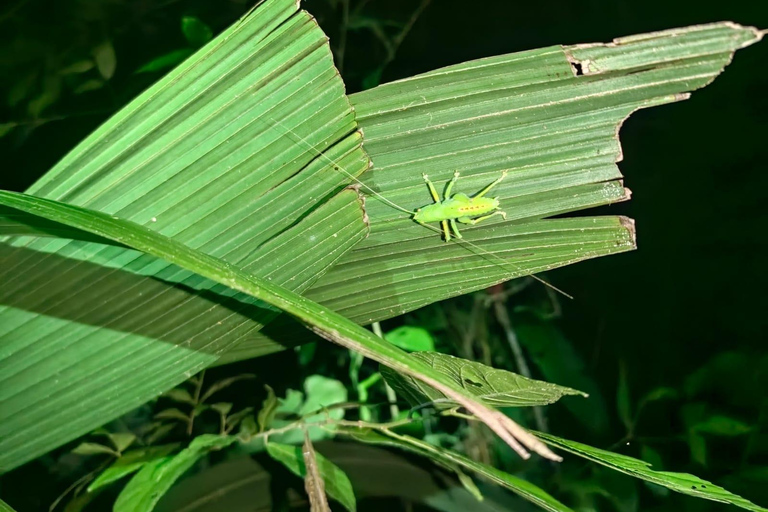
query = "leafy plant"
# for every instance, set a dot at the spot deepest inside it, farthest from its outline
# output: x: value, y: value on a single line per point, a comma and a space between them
x: 238, y: 188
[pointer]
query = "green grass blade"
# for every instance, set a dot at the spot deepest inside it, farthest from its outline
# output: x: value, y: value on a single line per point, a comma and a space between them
x: 451, y: 460
x: 680, y: 482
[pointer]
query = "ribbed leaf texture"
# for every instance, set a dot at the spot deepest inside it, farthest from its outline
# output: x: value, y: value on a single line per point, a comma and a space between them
x: 208, y: 156
x: 494, y: 387
x: 551, y: 118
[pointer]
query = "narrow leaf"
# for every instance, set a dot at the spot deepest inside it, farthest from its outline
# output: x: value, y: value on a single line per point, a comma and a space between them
x: 679, y: 482
x: 93, y: 449
x: 172, y: 414
x: 468, y: 484
x: 157, y: 476
x: 165, y: 61
x: 80, y: 66
x: 498, y: 388
x: 222, y: 408
x: 105, y: 58
x: 180, y: 395
x: 720, y: 425
x: 122, y: 440
x: 234, y: 419
x: 337, y: 483
x: 268, y: 409
x: 130, y: 462
x: 450, y: 459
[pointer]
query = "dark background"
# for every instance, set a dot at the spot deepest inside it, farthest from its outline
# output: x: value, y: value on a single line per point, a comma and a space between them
x: 690, y: 299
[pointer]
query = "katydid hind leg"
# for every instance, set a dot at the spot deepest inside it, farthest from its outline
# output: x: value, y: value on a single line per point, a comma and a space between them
x: 451, y: 183
x: 468, y: 220
x: 446, y: 231
x: 489, y: 187
x: 455, y: 228
x: 432, y: 189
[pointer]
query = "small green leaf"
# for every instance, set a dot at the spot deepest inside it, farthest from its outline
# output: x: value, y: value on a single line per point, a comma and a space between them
x: 89, y: 85
x: 93, y: 449
x: 469, y: 484
x: 180, y: 395
x: 680, y: 482
x: 411, y: 338
x: 291, y: 404
x: 320, y: 392
x: 660, y: 393
x: 80, y: 66
x: 248, y: 428
x: 105, y: 58
x: 222, y: 408
x: 268, y: 409
x: 697, y: 444
x: 122, y: 440
x: 48, y: 96
x: 719, y: 425
x: 234, y: 419
x: 337, y: 483
x: 130, y: 462
x: 165, y: 61
x: 498, y: 388
x: 157, y: 476
x: 223, y: 384
x: 173, y: 413
x: 195, y: 31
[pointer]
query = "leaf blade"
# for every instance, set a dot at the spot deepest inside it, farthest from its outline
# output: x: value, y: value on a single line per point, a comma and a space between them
x: 337, y: 483
x: 157, y: 476
x: 679, y: 482
x: 494, y: 387
x: 450, y: 458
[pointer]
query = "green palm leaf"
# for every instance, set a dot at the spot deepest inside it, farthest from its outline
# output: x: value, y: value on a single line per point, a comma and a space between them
x: 551, y: 118
x: 89, y: 331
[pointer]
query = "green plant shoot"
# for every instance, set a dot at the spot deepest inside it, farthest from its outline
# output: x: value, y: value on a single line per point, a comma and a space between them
x: 459, y: 207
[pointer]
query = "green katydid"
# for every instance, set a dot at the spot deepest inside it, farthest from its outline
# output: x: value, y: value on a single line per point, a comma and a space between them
x: 459, y: 207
